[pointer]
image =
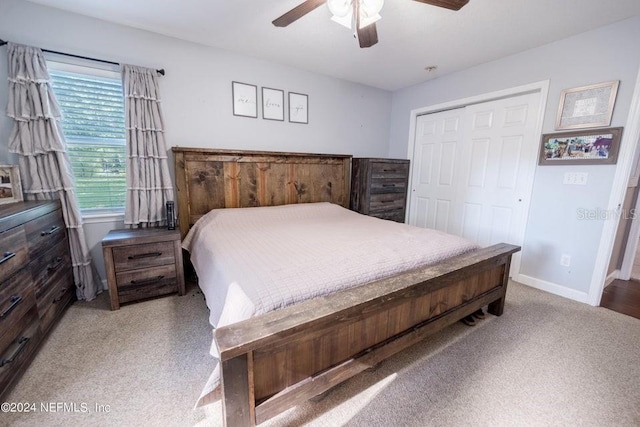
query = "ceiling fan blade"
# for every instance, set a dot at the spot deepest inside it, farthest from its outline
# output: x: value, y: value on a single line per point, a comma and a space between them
x: 297, y: 12
x: 448, y: 4
x: 368, y: 36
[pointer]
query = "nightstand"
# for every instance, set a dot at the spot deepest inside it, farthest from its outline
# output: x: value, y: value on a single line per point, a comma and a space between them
x: 142, y: 263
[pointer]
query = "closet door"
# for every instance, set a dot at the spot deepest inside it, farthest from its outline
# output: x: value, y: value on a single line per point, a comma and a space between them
x: 473, y: 169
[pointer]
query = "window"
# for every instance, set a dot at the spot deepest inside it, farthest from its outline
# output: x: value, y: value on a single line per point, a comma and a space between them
x: 92, y: 105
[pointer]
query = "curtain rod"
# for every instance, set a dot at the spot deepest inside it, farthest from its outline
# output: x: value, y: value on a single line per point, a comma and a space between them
x: 160, y: 71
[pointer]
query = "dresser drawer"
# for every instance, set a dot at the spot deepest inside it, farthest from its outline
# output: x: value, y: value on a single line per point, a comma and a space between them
x: 44, y: 232
x: 55, y: 300
x: 16, y: 299
x: 49, y: 268
x: 143, y: 256
x: 389, y: 170
x: 13, y: 251
x: 393, y: 215
x: 386, y: 202
x: 20, y: 349
x: 388, y: 185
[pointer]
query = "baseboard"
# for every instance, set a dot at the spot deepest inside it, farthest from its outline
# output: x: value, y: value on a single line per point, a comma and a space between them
x: 615, y: 274
x: 552, y: 288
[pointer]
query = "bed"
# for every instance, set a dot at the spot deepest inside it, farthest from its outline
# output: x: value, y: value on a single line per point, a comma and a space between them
x: 275, y: 353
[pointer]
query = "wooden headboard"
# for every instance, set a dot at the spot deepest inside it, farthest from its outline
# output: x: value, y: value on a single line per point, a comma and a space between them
x: 209, y: 179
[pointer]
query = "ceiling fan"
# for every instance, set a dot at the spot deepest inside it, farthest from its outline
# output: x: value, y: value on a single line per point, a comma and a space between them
x: 361, y: 14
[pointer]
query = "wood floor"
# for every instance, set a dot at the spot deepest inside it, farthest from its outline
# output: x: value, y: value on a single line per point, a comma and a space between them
x: 622, y: 296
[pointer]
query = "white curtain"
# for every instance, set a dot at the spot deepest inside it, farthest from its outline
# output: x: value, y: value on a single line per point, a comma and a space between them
x: 149, y: 184
x: 45, y: 168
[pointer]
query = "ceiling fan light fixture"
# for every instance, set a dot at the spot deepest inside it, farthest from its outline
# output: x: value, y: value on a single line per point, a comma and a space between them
x: 340, y: 8
x: 345, y: 21
x: 343, y: 10
x: 365, y: 21
x: 370, y: 8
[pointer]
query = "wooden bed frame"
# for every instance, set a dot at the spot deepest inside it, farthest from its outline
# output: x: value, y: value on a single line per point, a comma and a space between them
x: 277, y: 360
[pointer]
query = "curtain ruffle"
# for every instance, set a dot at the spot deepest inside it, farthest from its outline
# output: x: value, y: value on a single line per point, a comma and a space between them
x: 29, y: 100
x: 36, y: 137
x: 143, y: 114
x: 26, y: 63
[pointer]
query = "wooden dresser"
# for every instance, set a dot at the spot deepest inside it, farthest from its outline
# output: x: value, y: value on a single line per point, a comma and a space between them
x: 142, y: 263
x: 36, y: 281
x: 379, y: 187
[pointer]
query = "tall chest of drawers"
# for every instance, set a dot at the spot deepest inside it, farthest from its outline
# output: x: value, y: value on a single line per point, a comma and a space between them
x: 36, y: 281
x: 379, y: 187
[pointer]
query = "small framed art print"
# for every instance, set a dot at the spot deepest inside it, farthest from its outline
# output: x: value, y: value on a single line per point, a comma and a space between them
x: 245, y: 99
x: 298, y: 108
x: 272, y: 104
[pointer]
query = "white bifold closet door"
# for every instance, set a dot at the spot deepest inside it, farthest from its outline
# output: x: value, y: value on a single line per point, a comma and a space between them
x: 473, y: 168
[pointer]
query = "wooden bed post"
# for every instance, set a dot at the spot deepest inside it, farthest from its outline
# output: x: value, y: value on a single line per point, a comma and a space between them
x: 497, y: 307
x: 238, y: 399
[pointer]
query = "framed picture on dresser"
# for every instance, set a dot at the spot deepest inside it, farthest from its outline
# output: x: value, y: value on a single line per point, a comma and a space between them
x: 10, y: 186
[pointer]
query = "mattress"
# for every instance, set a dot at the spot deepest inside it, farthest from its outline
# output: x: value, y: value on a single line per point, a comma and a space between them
x: 250, y: 261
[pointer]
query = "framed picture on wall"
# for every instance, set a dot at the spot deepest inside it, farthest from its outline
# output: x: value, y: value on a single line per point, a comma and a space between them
x: 587, y: 106
x: 581, y: 147
x: 272, y: 104
x: 10, y: 185
x: 298, y: 108
x: 245, y: 99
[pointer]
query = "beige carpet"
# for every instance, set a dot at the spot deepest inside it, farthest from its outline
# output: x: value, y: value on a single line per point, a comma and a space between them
x: 547, y: 361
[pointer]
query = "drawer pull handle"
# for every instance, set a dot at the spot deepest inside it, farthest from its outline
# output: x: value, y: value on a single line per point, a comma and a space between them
x: 388, y: 185
x: 387, y: 201
x: 147, y: 281
x: 55, y: 265
x: 7, y: 256
x: 389, y: 170
x: 22, y: 344
x: 15, y: 300
x: 50, y: 231
x: 149, y: 255
x: 62, y: 292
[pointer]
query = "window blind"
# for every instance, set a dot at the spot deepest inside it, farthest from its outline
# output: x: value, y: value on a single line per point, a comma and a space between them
x: 94, y: 128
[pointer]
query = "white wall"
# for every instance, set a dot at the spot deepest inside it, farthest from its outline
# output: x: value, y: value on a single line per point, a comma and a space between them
x: 608, y: 53
x: 344, y: 117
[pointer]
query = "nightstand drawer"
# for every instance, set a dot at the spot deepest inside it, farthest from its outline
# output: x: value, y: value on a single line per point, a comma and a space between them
x: 385, y: 202
x: 44, y: 232
x: 146, y: 276
x: 146, y: 283
x: 142, y: 256
x: 14, y: 253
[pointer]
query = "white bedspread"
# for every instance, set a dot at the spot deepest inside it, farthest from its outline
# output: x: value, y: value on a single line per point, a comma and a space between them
x: 253, y: 260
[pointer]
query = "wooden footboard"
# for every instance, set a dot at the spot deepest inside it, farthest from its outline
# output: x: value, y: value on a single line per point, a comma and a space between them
x: 280, y: 359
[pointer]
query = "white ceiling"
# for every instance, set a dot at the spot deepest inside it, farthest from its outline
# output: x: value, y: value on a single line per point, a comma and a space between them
x: 412, y: 35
